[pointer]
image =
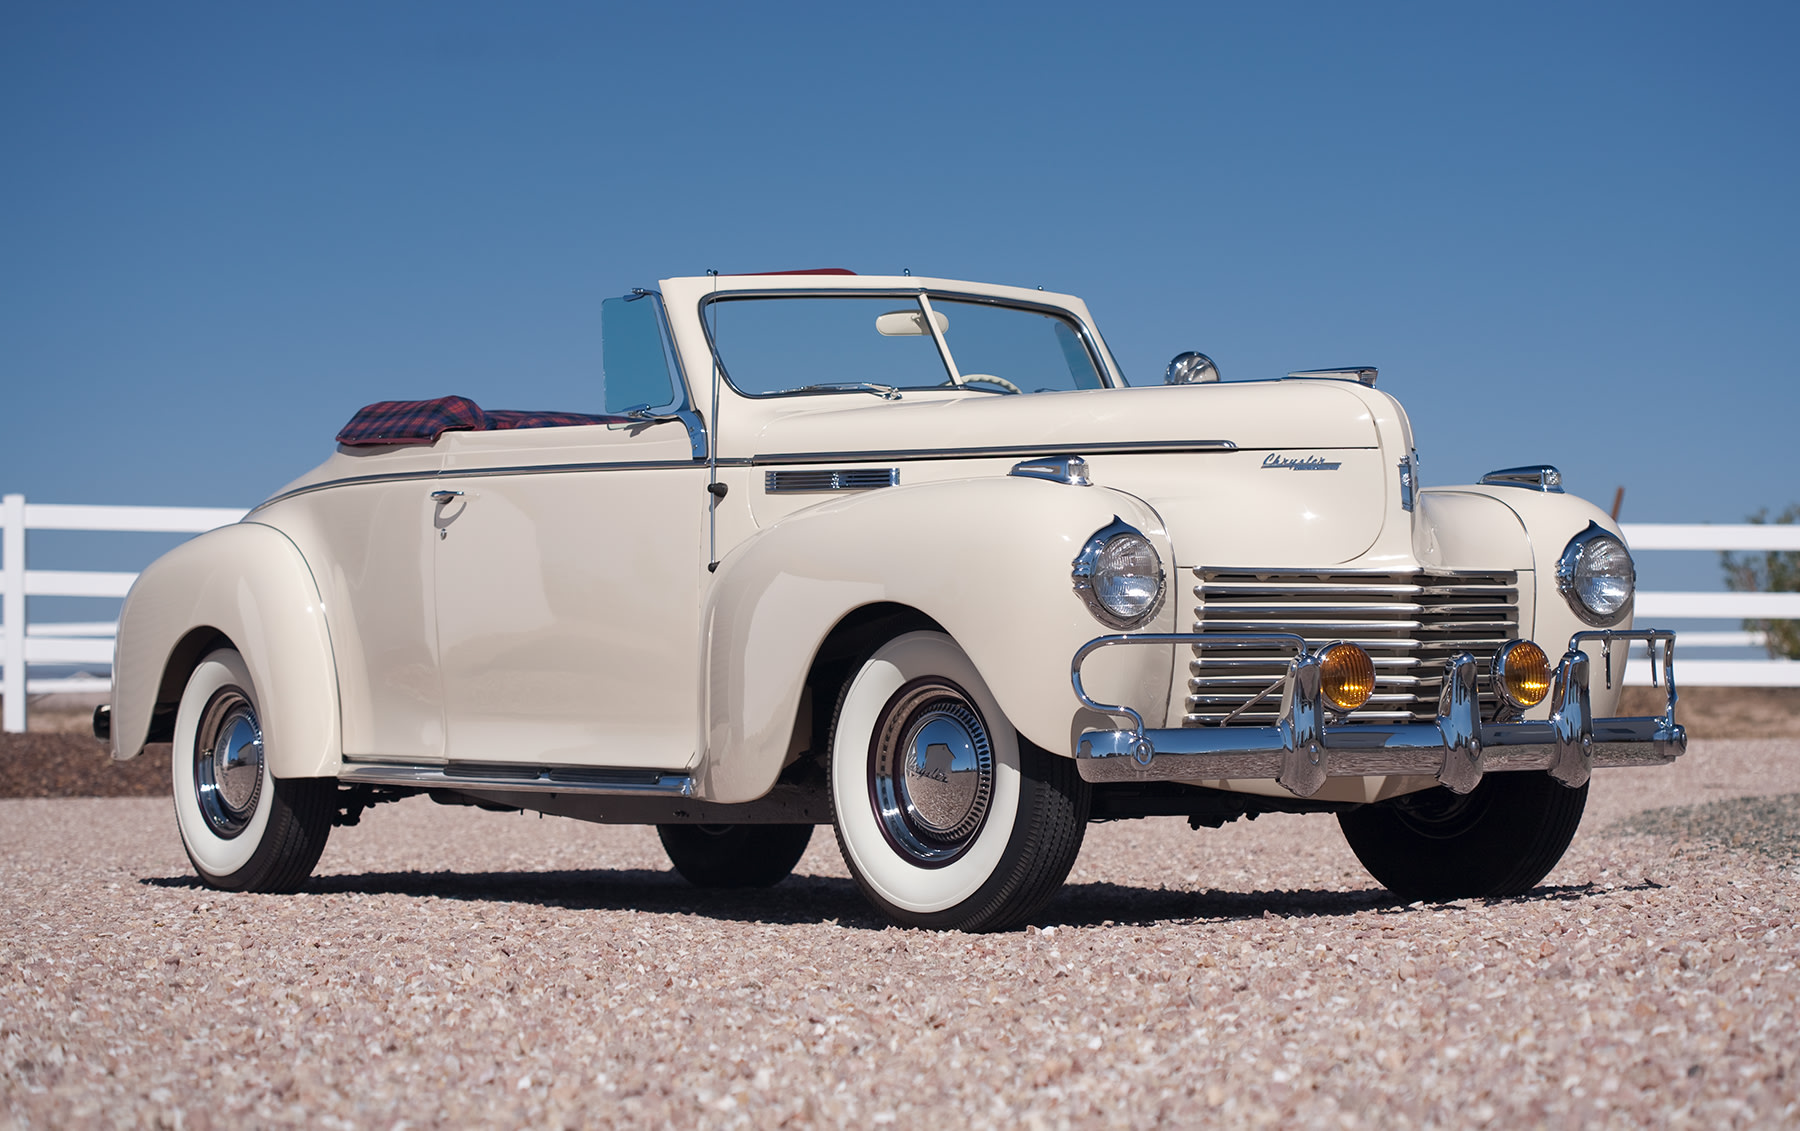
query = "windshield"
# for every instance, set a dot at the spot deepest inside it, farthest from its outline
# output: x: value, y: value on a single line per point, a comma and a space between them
x: 849, y: 343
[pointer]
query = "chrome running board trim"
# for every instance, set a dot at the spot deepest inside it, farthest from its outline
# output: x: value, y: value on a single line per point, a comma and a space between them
x: 520, y: 779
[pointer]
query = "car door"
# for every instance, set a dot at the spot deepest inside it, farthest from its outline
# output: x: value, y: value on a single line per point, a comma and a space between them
x: 568, y: 573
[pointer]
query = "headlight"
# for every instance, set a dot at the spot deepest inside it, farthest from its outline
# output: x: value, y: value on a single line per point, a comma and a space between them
x: 1120, y: 576
x: 1596, y: 577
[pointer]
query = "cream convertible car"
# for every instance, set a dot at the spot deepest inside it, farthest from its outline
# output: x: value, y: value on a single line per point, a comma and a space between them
x: 904, y: 556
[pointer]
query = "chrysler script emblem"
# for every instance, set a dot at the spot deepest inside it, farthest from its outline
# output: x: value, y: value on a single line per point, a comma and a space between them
x: 1309, y: 463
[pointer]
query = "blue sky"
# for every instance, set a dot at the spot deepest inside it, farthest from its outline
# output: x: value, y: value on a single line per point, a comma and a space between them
x: 1565, y: 233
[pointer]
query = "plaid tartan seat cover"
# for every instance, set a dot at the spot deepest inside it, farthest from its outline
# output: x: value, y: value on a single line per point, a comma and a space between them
x: 422, y: 422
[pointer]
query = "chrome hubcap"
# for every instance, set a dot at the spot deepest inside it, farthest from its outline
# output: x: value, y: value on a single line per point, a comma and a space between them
x: 228, y: 763
x: 931, y: 771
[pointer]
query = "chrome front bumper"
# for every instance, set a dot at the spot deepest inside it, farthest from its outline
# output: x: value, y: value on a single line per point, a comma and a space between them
x: 1306, y: 747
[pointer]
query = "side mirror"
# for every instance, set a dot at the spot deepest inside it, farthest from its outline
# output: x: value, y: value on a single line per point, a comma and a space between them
x: 1191, y: 368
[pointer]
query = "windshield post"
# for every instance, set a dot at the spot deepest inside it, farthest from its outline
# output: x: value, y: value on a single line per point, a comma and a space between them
x: 937, y: 336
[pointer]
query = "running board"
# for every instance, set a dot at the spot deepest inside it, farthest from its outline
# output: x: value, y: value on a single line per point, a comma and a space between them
x: 520, y: 779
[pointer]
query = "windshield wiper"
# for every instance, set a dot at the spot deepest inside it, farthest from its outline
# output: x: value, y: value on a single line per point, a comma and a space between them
x: 885, y: 392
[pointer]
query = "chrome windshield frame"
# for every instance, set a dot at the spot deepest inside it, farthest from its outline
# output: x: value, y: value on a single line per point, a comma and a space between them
x: 1098, y: 357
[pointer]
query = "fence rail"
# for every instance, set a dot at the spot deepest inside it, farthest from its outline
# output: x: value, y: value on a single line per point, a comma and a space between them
x: 85, y: 643
x: 90, y: 643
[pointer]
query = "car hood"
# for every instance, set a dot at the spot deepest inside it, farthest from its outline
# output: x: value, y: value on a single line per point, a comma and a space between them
x: 1250, y: 415
x: 1279, y: 474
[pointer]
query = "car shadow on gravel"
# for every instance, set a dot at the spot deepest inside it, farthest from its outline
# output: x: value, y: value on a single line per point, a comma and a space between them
x: 796, y: 900
x: 801, y: 899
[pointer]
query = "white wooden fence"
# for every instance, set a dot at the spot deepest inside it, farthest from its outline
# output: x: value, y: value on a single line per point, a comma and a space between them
x: 90, y: 644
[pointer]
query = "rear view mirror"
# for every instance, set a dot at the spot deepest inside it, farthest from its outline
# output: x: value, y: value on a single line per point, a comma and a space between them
x: 908, y: 324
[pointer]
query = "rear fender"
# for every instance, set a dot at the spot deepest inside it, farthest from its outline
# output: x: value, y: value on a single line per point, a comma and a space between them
x: 245, y: 587
x: 987, y: 559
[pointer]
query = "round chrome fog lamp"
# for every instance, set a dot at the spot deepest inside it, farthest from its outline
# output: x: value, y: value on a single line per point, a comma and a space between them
x: 1346, y: 676
x: 1521, y: 674
x: 1120, y: 576
x: 1596, y: 576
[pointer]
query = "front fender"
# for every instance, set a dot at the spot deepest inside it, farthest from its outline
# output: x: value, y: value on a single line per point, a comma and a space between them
x: 248, y: 584
x: 1527, y: 530
x: 988, y: 559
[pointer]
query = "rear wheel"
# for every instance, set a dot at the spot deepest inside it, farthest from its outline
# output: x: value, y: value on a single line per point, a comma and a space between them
x: 945, y: 816
x: 1498, y: 840
x: 734, y: 856
x: 243, y: 828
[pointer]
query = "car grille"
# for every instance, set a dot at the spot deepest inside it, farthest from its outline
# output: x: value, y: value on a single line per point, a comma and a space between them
x: 1410, y: 624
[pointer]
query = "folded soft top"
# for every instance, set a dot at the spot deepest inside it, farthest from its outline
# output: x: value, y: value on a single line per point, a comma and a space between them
x: 422, y: 422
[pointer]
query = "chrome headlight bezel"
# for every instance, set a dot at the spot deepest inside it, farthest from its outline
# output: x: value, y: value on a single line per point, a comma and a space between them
x: 1088, y: 574
x: 1580, y: 551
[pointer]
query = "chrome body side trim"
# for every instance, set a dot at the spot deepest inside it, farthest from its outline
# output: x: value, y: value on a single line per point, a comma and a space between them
x: 891, y: 455
x: 478, y: 473
x: 1458, y: 748
x: 1363, y: 374
x: 1001, y: 451
x: 520, y: 779
x: 347, y: 481
x: 843, y: 479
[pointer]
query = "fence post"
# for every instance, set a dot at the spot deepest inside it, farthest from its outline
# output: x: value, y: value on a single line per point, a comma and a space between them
x: 12, y: 526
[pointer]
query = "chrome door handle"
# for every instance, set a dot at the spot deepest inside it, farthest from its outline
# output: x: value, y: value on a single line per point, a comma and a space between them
x: 443, y: 497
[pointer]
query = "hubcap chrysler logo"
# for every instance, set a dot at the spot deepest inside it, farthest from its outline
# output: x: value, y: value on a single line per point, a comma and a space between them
x: 1278, y: 462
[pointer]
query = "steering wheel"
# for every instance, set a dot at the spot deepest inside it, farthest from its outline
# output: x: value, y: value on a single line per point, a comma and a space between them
x: 990, y: 379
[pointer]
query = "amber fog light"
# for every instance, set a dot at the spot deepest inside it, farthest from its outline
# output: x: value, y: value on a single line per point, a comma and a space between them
x: 1522, y: 674
x: 1346, y: 676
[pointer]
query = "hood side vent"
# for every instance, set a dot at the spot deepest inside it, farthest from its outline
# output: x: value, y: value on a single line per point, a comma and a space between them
x: 842, y: 479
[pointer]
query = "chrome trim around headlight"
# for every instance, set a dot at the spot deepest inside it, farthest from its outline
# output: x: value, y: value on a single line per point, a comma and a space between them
x: 1565, y: 576
x: 1082, y: 574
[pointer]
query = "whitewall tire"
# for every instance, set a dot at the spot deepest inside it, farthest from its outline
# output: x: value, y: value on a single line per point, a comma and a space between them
x: 945, y: 817
x: 244, y: 830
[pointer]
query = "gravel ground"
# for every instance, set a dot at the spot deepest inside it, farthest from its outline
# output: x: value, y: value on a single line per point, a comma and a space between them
x: 455, y: 966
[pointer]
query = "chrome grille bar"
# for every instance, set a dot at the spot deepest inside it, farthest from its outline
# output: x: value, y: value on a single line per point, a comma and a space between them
x: 1409, y: 623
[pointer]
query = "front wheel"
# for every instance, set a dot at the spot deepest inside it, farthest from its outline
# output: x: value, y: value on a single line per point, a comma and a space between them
x: 1498, y: 840
x: 243, y: 828
x: 945, y: 816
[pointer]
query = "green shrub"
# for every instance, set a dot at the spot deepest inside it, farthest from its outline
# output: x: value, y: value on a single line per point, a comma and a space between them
x: 1775, y: 571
